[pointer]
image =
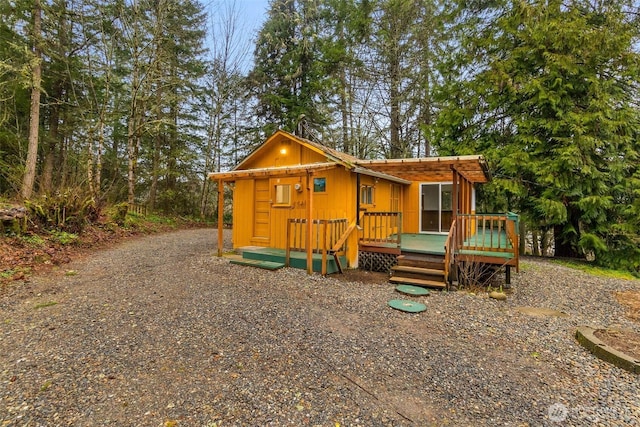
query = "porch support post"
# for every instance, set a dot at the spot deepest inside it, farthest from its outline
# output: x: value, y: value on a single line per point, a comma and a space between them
x: 309, y: 223
x: 357, y: 199
x: 220, y: 216
x: 454, y: 205
x: 454, y: 196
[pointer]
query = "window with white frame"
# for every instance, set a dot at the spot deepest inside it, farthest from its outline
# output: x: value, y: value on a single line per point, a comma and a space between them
x: 366, y: 194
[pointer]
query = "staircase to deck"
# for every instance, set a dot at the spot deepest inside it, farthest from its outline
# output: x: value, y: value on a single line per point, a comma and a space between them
x: 426, y: 270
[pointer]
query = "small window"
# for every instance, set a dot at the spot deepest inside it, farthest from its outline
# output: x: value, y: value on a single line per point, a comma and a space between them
x: 366, y: 194
x: 283, y: 194
x: 319, y: 185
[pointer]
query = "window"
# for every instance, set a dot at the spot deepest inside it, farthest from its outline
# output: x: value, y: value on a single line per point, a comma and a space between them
x: 319, y: 185
x: 283, y: 194
x: 366, y: 194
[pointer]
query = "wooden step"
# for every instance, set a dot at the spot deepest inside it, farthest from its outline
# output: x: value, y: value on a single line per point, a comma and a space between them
x: 419, y: 270
x: 267, y: 265
x: 431, y: 262
x: 418, y: 282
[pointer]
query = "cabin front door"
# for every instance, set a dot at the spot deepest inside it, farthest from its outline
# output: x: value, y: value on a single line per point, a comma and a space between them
x: 262, y: 208
x: 436, y: 210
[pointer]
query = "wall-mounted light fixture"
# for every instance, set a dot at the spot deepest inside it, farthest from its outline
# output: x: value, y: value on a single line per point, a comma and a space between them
x: 284, y: 147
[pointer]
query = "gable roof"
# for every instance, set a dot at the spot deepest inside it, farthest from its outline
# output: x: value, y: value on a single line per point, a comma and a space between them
x: 331, y: 154
x: 403, y: 171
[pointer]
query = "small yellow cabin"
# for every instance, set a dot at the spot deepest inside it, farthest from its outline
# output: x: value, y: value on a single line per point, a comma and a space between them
x: 310, y: 204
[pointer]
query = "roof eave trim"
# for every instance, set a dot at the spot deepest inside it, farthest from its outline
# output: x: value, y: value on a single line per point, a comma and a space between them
x: 369, y: 172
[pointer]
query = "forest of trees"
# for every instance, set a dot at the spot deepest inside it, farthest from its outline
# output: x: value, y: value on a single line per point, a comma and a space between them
x: 137, y: 100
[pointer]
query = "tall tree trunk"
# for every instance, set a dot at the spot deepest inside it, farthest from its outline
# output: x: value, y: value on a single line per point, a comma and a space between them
x: 565, y: 246
x: 394, y: 95
x: 34, y: 114
x: 132, y: 150
x: 344, y: 113
x: 155, y: 156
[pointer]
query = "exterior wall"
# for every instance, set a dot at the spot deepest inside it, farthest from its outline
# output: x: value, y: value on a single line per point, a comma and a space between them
x: 337, y: 201
x: 283, y: 152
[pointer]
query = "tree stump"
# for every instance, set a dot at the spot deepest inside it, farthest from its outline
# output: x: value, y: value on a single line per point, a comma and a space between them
x: 13, y: 219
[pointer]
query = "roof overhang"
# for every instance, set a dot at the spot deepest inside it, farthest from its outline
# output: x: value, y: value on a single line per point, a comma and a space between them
x: 376, y: 174
x: 272, y: 172
x: 473, y: 168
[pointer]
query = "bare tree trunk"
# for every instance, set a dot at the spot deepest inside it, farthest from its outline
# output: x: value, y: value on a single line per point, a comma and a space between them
x: 394, y: 95
x: 90, y: 160
x: 132, y: 151
x: 155, y: 156
x: 344, y: 113
x: 99, y: 150
x: 34, y: 114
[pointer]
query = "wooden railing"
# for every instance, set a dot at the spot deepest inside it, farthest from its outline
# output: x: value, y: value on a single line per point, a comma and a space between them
x: 137, y: 209
x: 484, y: 233
x: 381, y: 229
x: 328, y: 237
x: 487, y: 232
x: 449, y: 253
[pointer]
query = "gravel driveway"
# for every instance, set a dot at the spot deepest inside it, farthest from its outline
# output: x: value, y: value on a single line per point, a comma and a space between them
x: 159, y: 332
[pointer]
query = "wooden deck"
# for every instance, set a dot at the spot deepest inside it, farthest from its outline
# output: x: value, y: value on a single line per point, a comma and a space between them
x: 434, y: 244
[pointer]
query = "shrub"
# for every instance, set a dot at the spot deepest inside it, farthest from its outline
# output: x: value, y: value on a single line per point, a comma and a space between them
x: 68, y: 210
x: 118, y: 213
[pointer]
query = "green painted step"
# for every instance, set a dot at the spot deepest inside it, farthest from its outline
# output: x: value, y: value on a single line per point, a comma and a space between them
x: 297, y: 259
x: 267, y: 265
x: 408, y: 306
x: 412, y: 290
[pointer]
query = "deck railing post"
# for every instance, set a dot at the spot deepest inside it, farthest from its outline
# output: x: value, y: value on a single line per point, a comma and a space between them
x: 324, y: 248
x: 287, y: 254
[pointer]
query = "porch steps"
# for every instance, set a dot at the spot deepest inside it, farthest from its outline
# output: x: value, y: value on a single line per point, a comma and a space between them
x: 418, y: 282
x: 267, y: 265
x: 419, y: 272
x: 419, y: 269
x: 435, y: 262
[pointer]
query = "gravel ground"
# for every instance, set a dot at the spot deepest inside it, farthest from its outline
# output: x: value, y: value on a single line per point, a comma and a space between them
x: 159, y: 332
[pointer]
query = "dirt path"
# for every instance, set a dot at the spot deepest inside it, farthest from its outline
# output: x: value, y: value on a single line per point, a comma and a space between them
x: 158, y: 332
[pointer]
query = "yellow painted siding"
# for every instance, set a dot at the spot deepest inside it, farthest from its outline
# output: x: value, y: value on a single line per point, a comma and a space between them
x: 260, y: 220
x: 284, y: 152
x: 337, y: 201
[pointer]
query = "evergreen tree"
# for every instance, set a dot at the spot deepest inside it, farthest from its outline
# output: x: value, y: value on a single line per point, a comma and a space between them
x: 288, y: 75
x: 548, y: 91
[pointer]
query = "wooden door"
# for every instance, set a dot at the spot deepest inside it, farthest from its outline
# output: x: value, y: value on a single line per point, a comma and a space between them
x: 262, y: 206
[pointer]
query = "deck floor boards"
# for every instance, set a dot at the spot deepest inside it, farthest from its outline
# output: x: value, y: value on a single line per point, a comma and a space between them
x: 433, y: 244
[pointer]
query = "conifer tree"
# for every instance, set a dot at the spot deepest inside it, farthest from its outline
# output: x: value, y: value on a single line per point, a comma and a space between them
x: 548, y: 91
x: 288, y: 75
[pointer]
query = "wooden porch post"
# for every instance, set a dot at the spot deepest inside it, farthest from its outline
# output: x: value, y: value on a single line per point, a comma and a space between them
x: 454, y: 205
x: 309, y: 223
x: 454, y: 195
x: 220, y: 216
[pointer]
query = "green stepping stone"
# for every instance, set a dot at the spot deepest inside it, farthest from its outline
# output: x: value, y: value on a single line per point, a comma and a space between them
x: 267, y: 265
x: 408, y: 306
x: 412, y: 290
